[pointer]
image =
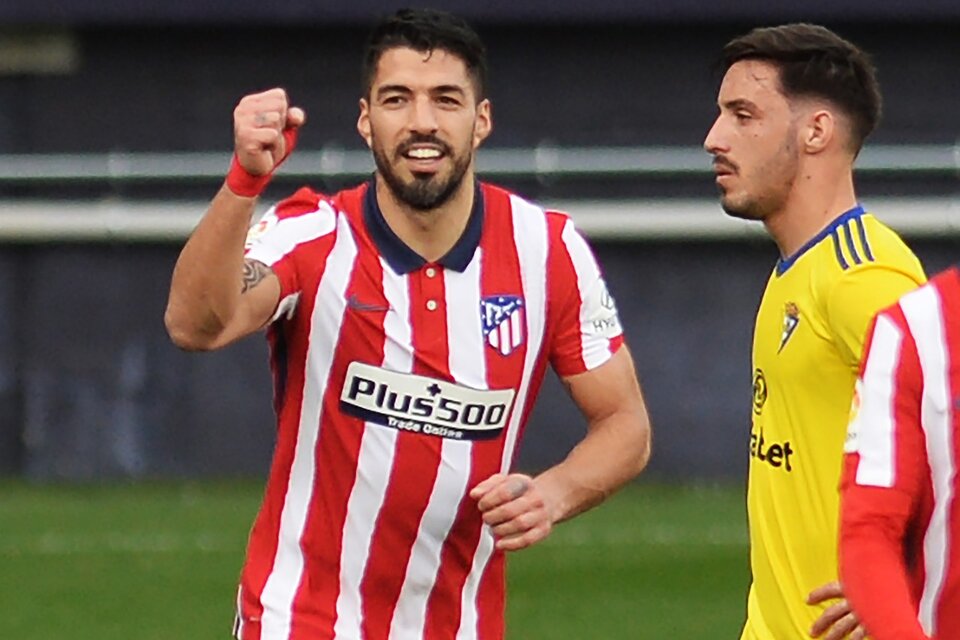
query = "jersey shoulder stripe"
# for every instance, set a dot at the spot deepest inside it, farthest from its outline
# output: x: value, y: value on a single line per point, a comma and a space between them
x: 854, y: 251
x: 838, y: 250
x: 884, y: 243
x: 864, y: 241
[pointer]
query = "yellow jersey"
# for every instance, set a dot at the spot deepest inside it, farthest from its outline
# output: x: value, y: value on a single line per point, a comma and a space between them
x: 806, y: 351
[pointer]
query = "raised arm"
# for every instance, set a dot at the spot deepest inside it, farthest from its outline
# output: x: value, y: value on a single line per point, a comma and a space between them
x: 217, y: 297
x: 522, y: 510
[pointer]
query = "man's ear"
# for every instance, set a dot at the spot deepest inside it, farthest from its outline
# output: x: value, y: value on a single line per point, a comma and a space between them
x: 819, y: 131
x: 363, y: 122
x: 484, y: 123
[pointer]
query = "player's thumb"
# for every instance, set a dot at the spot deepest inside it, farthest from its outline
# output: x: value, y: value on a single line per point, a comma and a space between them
x: 478, y: 491
x: 296, y: 117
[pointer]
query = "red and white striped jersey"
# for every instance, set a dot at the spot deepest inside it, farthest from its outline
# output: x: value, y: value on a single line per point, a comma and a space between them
x: 400, y: 385
x: 900, y: 522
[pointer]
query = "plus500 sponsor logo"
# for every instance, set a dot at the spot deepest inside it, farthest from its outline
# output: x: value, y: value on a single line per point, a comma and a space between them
x: 421, y: 404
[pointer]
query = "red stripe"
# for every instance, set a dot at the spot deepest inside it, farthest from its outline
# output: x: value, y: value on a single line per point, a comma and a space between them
x: 501, y: 275
x: 563, y: 303
x: 491, y: 599
x: 948, y: 611
x: 416, y: 462
x: 908, y: 367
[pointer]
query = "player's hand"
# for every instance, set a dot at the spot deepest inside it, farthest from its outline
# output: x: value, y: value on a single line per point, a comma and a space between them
x: 264, y: 130
x: 515, y: 509
x: 838, y: 621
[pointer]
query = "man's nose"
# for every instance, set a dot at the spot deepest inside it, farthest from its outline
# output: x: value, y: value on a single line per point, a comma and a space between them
x: 713, y: 143
x: 423, y: 118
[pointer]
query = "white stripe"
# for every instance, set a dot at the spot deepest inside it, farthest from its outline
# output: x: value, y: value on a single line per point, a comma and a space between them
x: 504, y: 330
x: 515, y: 328
x: 377, y: 450
x: 530, y: 237
x: 924, y: 316
x: 238, y: 624
x: 286, y: 307
x: 875, y: 423
x: 467, y: 366
x: 289, y: 232
x: 494, y: 337
x: 283, y: 581
x: 595, y: 348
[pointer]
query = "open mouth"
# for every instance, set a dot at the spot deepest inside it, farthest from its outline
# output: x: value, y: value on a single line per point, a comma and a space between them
x: 423, y: 160
x: 423, y: 153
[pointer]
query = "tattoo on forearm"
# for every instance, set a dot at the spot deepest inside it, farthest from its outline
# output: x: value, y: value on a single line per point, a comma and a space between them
x: 253, y: 274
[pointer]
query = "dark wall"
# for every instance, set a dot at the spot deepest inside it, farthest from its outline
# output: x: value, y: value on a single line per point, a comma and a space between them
x: 142, y: 89
x: 362, y: 11
x: 91, y: 386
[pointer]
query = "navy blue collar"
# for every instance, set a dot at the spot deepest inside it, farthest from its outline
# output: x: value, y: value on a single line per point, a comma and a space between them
x: 401, y: 258
x: 785, y: 263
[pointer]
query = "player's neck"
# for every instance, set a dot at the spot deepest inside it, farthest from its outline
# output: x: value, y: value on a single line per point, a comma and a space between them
x: 815, y: 201
x: 431, y: 234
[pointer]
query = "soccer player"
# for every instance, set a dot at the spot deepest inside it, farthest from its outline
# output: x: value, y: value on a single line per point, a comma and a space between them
x: 410, y: 320
x: 795, y: 105
x: 900, y: 516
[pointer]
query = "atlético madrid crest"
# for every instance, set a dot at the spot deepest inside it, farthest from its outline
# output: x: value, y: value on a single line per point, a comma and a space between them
x: 503, y: 322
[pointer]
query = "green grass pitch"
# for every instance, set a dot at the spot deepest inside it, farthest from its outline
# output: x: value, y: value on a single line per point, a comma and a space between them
x: 160, y: 562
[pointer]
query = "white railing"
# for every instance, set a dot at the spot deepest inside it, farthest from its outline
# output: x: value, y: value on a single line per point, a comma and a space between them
x: 117, y: 220
x: 648, y: 219
x: 337, y: 163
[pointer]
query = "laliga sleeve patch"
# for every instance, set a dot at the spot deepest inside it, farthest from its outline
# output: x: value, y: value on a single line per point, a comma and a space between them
x: 850, y: 445
x: 599, y: 313
x: 261, y: 227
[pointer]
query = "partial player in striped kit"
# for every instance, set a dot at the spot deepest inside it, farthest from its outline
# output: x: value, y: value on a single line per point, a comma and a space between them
x: 900, y: 523
x: 411, y: 320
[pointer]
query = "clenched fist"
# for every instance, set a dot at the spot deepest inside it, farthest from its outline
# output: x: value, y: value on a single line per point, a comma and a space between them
x: 264, y: 130
x: 515, y: 508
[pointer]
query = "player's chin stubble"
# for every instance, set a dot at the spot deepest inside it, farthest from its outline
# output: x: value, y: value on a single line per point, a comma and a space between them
x: 423, y: 192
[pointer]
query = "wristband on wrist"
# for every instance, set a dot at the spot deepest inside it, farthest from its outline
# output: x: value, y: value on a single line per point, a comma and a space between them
x: 243, y: 183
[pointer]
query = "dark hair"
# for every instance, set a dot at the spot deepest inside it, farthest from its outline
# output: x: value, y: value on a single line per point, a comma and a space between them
x: 427, y: 30
x: 814, y: 61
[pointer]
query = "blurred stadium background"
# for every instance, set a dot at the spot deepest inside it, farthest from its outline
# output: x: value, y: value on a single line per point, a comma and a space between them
x: 131, y: 471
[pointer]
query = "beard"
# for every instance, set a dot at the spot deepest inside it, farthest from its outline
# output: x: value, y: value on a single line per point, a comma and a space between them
x: 773, y: 183
x: 756, y: 208
x: 425, y: 191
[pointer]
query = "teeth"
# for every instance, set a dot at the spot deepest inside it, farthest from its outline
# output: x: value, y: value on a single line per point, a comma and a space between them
x: 423, y: 154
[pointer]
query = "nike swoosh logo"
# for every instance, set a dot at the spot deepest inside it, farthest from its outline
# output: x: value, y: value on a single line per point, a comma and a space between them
x: 357, y: 305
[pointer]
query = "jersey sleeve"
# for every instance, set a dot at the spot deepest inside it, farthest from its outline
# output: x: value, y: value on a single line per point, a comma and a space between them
x: 856, y: 297
x: 275, y: 241
x: 884, y: 474
x: 585, y: 329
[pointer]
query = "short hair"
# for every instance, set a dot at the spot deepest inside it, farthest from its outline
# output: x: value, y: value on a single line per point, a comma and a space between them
x: 427, y: 30
x: 815, y: 62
